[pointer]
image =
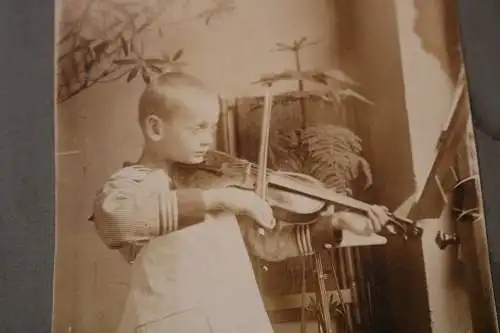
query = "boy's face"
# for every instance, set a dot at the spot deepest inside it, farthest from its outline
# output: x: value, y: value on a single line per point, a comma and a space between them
x: 190, y: 131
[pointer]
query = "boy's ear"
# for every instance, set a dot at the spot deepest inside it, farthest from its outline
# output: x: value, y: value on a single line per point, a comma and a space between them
x: 154, y: 127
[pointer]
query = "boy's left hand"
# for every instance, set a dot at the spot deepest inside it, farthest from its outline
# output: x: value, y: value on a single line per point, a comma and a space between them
x: 364, y: 225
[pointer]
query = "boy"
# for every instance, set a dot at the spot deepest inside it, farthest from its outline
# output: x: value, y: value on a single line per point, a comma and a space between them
x: 190, y: 269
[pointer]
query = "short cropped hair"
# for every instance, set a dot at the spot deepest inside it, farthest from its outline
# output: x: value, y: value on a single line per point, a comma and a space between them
x: 159, y: 96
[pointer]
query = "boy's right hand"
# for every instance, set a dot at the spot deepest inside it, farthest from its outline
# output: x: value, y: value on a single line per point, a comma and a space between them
x: 241, y: 202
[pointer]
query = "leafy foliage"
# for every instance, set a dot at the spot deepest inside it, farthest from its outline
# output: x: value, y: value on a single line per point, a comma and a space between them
x: 334, y: 156
x: 103, y: 41
x: 327, y: 152
x: 330, y: 153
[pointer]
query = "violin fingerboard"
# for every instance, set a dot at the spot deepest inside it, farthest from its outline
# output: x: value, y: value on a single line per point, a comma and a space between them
x: 198, y: 179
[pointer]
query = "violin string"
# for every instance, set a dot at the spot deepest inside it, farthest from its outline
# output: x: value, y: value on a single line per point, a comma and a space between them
x: 255, y: 169
x: 253, y: 166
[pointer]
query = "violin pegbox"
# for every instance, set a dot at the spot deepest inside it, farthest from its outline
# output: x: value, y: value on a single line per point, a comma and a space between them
x: 406, y: 229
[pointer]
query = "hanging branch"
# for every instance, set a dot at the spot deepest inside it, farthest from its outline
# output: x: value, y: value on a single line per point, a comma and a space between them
x: 103, y: 42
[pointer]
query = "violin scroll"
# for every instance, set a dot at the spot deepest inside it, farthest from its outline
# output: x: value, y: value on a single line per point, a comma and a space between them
x: 404, y: 227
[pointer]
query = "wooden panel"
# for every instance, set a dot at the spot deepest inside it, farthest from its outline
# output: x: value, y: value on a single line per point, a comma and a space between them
x: 473, y: 243
x: 294, y: 301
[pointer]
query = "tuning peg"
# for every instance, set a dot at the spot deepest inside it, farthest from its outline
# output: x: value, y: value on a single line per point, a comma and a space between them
x: 443, y: 239
x: 417, y: 231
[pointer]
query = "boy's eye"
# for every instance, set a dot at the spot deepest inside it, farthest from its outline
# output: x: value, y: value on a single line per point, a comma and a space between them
x: 203, y: 128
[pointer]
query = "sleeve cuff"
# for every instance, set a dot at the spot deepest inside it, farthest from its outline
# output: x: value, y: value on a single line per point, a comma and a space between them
x: 324, y: 235
x: 180, y: 208
x: 190, y: 206
x: 304, y: 241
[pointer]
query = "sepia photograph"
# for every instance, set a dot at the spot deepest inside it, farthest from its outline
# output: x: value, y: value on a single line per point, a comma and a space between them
x: 278, y: 166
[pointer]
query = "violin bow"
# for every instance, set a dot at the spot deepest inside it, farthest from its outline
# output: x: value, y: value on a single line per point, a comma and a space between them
x: 261, y: 190
x: 261, y: 184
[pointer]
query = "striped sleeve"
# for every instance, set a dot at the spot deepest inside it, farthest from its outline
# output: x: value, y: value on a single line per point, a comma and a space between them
x: 303, y: 238
x: 290, y: 241
x: 137, y: 204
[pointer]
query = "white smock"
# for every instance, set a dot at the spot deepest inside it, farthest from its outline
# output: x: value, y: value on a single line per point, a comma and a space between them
x: 195, y: 280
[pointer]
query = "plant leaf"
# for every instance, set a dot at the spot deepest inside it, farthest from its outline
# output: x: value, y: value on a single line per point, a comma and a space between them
x: 132, y: 74
x: 351, y: 93
x: 84, y: 42
x: 133, y: 48
x: 156, y: 61
x: 310, y: 44
x: 166, y: 57
x: 145, y: 75
x: 156, y: 69
x: 125, y: 61
x: 124, y: 46
x: 66, y: 79
x: 88, y: 65
x: 339, y: 76
x: 365, y: 167
x: 180, y: 64
x: 298, y: 44
x: 313, y: 76
x: 74, y: 67
x: 320, y: 77
x: 100, y: 48
x: 208, y: 18
x: 308, y: 94
x: 282, y: 45
x: 66, y: 37
x: 177, y: 55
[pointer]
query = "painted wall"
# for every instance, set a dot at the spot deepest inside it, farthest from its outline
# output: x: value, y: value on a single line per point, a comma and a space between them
x: 368, y: 45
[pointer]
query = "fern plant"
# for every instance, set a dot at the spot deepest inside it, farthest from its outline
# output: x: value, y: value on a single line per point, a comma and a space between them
x: 330, y: 153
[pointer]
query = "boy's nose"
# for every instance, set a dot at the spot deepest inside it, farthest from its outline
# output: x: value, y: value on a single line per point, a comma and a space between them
x: 206, y: 142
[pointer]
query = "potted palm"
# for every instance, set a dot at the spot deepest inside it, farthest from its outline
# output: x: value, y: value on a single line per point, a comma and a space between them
x: 330, y: 153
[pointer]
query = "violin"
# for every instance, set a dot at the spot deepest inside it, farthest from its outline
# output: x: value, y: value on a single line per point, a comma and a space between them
x: 295, y: 198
